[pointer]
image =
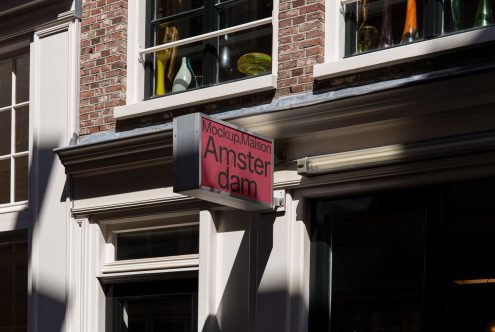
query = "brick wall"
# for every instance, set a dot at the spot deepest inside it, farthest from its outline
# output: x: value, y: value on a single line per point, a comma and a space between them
x: 103, y: 55
x: 301, y: 44
x: 103, y: 63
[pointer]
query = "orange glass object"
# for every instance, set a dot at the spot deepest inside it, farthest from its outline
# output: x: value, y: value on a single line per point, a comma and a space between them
x: 410, y: 32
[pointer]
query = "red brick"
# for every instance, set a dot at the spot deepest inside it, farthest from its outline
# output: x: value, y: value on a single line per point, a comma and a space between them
x: 298, y: 20
x: 288, y: 14
x: 298, y: 3
x: 312, y: 8
x: 296, y: 89
x: 103, y: 65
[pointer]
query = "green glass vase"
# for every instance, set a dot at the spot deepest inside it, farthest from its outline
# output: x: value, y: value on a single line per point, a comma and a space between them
x: 456, y: 12
x: 484, y: 14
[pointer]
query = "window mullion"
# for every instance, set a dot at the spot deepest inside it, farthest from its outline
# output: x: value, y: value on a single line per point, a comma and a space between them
x: 12, y: 133
x: 210, y: 46
x: 432, y: 18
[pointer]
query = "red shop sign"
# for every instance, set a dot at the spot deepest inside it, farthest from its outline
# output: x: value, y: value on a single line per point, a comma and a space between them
x: 221, y: 163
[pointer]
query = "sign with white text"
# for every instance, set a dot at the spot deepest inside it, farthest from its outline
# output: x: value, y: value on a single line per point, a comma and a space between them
x: 218, y: 162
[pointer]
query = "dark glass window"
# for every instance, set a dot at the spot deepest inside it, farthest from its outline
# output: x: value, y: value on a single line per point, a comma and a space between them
x: 378, y: 24
x: 13, y: 281
x: 236, y: 55
x: 14, y: 129
x: 153, y: 306
x: 415, y: 260
x: 171, y: 241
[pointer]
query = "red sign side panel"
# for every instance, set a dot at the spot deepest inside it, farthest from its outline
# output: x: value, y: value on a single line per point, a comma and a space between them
x: 236, y: 162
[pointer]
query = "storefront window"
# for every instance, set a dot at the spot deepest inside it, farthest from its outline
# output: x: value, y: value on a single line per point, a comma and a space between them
x: 409, y: 261
x: 195, y: 53
x: 379, y: 24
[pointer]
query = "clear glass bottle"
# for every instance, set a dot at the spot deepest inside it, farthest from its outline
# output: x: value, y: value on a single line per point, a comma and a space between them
x: 386, y: 38
x: 484, y: 14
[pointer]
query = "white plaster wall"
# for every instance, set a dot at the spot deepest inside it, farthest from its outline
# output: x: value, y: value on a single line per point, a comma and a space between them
x: 53, y: 57
x: 252, y: 271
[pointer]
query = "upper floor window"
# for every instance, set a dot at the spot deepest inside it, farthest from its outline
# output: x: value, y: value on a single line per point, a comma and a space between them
x: 365, y: 35
x: 378, y: 24
x: 199, y: 43
x: 14, y: 128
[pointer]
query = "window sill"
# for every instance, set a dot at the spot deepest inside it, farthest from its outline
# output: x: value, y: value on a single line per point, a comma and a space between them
x: 199, y: 96
x: 14, y: 207
x: 387, y: 57
x: 151, y: 264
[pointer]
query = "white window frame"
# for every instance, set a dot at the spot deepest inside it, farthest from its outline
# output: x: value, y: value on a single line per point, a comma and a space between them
x: 335, y: 64
x: 135, y: 103
x: 97, y: 259
x: 112, y: 267
x: 18, y: 49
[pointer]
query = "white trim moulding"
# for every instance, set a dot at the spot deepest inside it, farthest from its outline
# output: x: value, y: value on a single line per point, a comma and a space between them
x: 390, y: 56
x: 151, y: 264
x: 198, y: 96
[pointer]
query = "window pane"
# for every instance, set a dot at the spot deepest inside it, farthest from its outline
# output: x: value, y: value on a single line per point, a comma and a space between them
x: 4, y: 181
x: 165, y: 313
x: 246, y: 53
x: 243, y: 12
x: 177, y: 69
x: 367, y: 263
x: 158, y: 243
x: 21, y: 129
x: 470, y: 272
x: 22, y: 79
x: 377, y: 274
x: 171, y: 7
x: 21, y: 178
x: 168, y: 304
x: 462, y: 15
x: 178, y: 29
x: 5, y: 83
x: 377, y: 24
x: 13, y: 282
x: 5, y: 132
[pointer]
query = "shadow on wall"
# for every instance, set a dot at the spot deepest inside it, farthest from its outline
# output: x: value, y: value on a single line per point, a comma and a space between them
x: 244, y: 306
x: 47, y: 304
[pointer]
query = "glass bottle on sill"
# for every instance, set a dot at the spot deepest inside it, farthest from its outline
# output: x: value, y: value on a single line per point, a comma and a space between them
x: 185, y: 78
x: 367, y: 34
x: 227, y: 59
x: 165, y: 61
x: 410, y: 32
x: 484, y: 14
x: 386, y: 38
x: 457, y: 10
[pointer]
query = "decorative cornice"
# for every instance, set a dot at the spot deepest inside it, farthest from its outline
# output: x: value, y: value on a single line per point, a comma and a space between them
x: 124, y: 153
x: 370, y: 111
x: 432, y: 161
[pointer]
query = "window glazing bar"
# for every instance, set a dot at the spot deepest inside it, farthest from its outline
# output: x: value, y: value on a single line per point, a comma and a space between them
x: 187, y: 14
x: 346, y: 2
x: 206, y: 36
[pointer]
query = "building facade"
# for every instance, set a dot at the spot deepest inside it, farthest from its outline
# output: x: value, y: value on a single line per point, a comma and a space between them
x: 382, y: 117
x: 39, y: 74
